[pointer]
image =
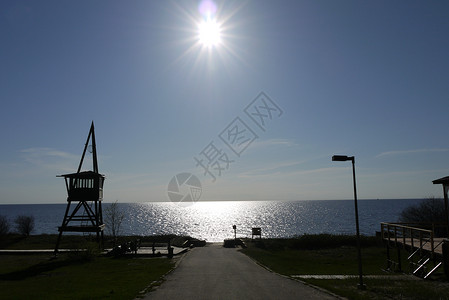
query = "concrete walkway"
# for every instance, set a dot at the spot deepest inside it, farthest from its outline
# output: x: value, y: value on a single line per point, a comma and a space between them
x: 214, y: 272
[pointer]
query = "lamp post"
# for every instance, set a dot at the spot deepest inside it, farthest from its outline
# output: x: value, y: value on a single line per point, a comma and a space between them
x: 359, y: 253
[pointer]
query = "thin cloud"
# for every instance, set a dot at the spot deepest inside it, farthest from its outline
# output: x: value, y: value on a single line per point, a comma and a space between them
x: 50, y: 158
x: 273, y: 169
x: 273, y: 142
x: 285, y: 170
x: 414, y: 151
x: 49, y: 152
x: 408, y: 173
x: 319, y: 171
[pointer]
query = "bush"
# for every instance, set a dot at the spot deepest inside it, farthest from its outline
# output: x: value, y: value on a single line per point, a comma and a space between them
x: 425, y: 213
x: 314, y: 242
x: 324, y: 240
x: 24, y: 224
x: 4, y: 225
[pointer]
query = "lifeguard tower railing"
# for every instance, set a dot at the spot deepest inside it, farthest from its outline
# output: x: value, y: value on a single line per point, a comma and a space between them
x: 424, y: 247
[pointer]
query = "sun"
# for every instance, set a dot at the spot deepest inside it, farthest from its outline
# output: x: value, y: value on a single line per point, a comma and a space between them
x: 209, y: 33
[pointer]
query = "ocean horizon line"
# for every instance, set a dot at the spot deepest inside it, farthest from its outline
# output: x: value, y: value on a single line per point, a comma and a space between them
x: 223, y: 200
x: 213, y: 220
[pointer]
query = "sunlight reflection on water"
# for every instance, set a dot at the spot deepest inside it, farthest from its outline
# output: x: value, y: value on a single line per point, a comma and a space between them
x: 213, y: 221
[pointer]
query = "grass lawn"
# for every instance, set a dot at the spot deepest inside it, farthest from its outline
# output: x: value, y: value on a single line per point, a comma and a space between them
x: 336, y: 261
x: 78, y: 275
x: 334, y: 255
x: 398, y: 287
x: 39, y: 277
x: 89, y: 276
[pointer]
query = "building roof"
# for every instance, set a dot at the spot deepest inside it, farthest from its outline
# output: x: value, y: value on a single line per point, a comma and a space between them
x: 443, y: 180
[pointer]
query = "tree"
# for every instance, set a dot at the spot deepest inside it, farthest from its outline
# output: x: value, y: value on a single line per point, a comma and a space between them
x: 114, y: 218
x: 24, y: 224
x: 4, y: 225
x: 429, y: 211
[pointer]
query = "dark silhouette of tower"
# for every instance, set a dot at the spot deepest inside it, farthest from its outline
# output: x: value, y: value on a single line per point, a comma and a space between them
x: 84, y: 196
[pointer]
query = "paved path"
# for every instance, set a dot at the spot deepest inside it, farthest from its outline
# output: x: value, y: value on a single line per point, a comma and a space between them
x: 214, y: 272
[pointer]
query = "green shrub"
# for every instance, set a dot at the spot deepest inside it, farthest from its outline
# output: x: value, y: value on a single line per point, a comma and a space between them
x: 314, y: 241
x: 4, y: 225
x: 427, y: 212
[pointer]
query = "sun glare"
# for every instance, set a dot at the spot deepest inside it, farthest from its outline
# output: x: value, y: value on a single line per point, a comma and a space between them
x: 209, y: 33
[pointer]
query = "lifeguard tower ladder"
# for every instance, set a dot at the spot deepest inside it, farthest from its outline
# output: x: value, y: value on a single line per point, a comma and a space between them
x: 85, y: 192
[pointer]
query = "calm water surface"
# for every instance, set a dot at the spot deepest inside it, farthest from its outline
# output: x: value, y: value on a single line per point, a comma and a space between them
x: 213, y: 220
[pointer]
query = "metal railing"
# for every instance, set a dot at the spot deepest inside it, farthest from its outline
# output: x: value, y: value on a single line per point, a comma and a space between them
x: 401, y: 234
x: 418, y: 241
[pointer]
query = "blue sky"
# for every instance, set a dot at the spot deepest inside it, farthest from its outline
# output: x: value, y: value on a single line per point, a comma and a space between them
x: 363, y: 78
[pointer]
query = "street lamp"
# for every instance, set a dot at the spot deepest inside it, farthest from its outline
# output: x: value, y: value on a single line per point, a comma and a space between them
x: 359, y: 253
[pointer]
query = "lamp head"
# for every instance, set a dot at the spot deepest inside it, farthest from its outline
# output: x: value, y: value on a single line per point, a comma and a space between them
x: 342, y: 158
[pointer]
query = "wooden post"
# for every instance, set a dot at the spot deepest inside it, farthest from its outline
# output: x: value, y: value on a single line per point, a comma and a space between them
x: 395, y: 236
x: 403, y: 237
x: 169, y: 250
x: 446, y: 257
x: 432, y: 247
x: 420, y: 243
x: 388, y: 256
x: 446, y: 207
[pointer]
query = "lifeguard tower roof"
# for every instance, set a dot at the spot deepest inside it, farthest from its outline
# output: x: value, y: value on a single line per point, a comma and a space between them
x: 84, y: 174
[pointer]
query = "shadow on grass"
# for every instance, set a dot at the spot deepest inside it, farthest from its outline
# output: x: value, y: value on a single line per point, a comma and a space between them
x: 7, y: 240
x: 38, y: 269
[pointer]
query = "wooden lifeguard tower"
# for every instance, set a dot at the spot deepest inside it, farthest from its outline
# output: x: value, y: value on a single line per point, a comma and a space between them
x: 85, y: 192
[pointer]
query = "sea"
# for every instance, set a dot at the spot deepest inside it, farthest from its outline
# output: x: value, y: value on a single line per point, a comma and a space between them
x: 213, y: 220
